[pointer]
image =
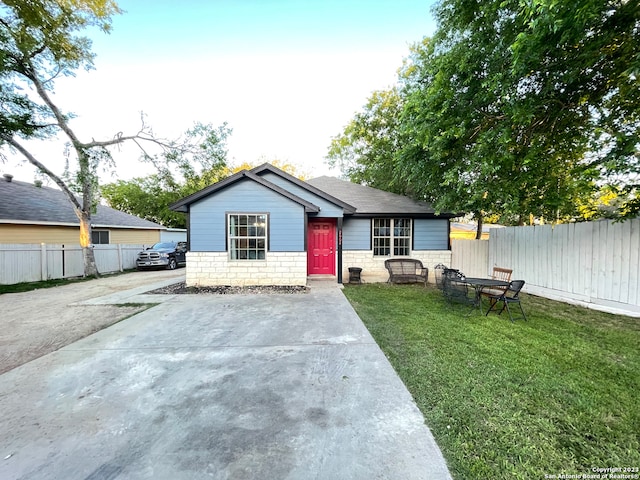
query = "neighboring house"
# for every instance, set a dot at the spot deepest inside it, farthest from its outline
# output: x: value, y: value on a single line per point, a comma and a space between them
x: 173, y: 235
x: 266, y: 227
x: 467, y: 231
x: 36, y: 214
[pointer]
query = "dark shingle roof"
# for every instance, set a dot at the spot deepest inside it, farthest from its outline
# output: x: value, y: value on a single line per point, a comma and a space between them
x: 24, y: 202
x: 371, y: 201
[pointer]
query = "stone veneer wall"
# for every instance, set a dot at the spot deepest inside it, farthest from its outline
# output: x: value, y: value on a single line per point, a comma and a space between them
x: 373, y: 270
x: 215, y: 268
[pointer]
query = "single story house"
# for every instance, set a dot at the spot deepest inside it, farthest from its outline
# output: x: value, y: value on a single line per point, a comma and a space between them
x: 266, y: 227
x: 36, y: 214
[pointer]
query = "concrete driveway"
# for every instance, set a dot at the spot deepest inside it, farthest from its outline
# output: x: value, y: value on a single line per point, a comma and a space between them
x: 217, y: 386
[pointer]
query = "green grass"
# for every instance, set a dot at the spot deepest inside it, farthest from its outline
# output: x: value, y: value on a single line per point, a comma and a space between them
x: 556, y: 394
x: 29, y: 286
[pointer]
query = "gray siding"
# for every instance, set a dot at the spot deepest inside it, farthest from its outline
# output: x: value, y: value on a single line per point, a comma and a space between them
x: 327, y: 209
x: 208, y: 217
x: 356, y: 234
x: 430, y: 234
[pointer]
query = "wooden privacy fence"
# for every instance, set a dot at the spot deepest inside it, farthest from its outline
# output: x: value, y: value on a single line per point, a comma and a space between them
x: 595, y: 264
x: 33, y: 262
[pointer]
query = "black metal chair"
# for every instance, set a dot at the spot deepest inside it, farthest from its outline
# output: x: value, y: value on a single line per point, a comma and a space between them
x: 455, y: 290
x: 510, y: 295
x: 438, y: 272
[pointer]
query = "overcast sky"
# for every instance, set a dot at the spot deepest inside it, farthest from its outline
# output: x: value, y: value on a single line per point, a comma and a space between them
x: 286, y: 75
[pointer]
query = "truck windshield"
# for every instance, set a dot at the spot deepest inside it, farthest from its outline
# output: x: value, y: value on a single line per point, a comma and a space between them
x: 159, y: 246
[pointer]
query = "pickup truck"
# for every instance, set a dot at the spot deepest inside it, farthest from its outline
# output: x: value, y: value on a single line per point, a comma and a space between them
x: 167, y: 255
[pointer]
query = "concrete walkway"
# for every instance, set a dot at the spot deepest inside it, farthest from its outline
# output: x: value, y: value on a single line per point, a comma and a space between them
x: 217, y: 386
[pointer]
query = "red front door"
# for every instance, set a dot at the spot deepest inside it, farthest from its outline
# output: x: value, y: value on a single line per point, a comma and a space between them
x: 321, y: 247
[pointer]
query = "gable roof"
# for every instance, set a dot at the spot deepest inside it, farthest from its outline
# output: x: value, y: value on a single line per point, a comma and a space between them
x: 267, y: 167
x: 354, y: 199
x: 371, y: 201
x: 24, y: 203
x: 183, y: 204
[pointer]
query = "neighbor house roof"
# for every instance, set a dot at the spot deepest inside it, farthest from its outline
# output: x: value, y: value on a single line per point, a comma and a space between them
x: 24, y: 203
x: 371, y: 201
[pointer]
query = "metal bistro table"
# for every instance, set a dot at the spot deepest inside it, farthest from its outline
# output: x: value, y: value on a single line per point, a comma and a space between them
x: 479, y: 284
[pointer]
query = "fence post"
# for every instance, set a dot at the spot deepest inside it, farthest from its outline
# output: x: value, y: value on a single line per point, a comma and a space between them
x: 120, y: 257
x: 43, y: 262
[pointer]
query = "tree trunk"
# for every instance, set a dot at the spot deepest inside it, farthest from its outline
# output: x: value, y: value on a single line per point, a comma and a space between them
x: 479, y: 229
x: 90, y: 267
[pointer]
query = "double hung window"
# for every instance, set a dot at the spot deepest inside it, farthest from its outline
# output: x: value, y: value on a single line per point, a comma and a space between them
x: 247, y: 236
x: 391, y: 236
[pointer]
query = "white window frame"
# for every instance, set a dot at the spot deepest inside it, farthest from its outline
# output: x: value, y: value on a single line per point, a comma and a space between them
x: 392, y: 233
x: 248, y: 241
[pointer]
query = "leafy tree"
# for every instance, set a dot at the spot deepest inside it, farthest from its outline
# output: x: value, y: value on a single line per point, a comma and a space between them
x: 365, y: 151
x: 193, y: 163
x: 512, y: 106
x: 39, y: 43
x: 515, y: 109
x: 608, y: 202
x: 146, y: 197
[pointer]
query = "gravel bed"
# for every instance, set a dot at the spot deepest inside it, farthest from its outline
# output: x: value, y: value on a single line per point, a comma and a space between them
x: 179, y: 288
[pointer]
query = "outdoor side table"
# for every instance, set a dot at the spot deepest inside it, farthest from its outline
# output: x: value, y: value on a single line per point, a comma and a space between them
x: 354, y: 275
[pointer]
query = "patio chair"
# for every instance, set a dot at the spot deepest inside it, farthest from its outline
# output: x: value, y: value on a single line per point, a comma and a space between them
x: 438, y: 271
x: 510, y: 295
x: 499, y: 273
x: 454, y: 288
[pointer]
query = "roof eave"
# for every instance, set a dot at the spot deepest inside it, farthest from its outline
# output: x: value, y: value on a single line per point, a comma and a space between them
x: 133, y: 227
x: 183, y: 204
x: 42, y: 223
x: 427, y: 215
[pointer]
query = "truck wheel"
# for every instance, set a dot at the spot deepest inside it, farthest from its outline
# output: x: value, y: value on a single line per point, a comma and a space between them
x: 172, y: 264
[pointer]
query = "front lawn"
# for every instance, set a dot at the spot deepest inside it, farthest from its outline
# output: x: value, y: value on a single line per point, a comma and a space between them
x: 558, y: 394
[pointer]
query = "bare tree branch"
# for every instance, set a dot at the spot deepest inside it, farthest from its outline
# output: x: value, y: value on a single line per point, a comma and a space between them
x: 42, y: 92
x: 34, y: 161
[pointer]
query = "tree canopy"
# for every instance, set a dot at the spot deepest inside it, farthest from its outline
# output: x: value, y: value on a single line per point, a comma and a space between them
x: 365, y: 150
x: 41, y: 41
x: 516, y: 109
x: 38, y: 44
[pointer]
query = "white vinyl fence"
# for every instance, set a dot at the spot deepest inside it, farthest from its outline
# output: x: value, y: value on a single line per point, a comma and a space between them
x: 33, y: 262
x: 594, y: 264
x: 471, y: 257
